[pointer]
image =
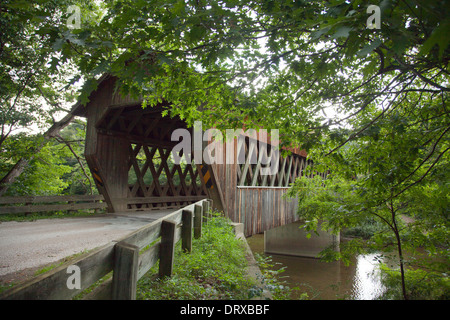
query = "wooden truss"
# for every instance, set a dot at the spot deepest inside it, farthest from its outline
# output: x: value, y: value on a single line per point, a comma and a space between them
x: 257, y: 157
x: 154, y: 181
x: 128, y: 150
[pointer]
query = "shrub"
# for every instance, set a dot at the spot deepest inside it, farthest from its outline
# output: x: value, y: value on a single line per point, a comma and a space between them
x: 420, y: 284
x: 215, y: 269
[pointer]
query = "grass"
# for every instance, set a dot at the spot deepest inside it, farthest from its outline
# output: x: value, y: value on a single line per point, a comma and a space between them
x: 44, y: 269
x: 215, y: 269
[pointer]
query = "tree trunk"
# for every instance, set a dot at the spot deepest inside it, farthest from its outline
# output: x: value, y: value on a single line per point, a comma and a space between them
x: 399, y: 249
x: 20, y: 166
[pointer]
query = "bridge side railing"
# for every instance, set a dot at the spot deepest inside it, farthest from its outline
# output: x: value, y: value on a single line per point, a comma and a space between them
x: 128, y: 259
x: 30, y: 204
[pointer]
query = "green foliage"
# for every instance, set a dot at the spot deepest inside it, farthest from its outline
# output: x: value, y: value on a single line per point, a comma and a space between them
x: 421, y: 284
x: 406, y: 223
x: 54, y: 170
x: 31, y: 73
x: 215, y: 269
x: 44, y: 175
x: 278, y: 64
x: 72, y: 140
x: 272, y: 280
x: 274, y: 64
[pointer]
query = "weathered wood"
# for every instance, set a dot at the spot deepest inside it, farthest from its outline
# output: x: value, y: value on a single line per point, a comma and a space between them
x: 142, y: 200
x: 198, y: 217
x: 288, y: 175
x: 186, y: 231
x: 87, y: 202
x: 252, y: 146
x: 167, y: 248
x: 96, y: 264
x: 51, y: 207
x: 263, y: 208
x: 206, y: 211
x: 125, y: 271
x: 52, y: 285
x: 148, y: 258
x: 101, y: 292
x: 48, y: 199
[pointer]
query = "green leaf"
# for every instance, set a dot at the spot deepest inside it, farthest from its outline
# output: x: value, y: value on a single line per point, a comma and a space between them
x: 368, y: 48
x: 317, y: 34
x: 440, y: 37
x: 342, y: 32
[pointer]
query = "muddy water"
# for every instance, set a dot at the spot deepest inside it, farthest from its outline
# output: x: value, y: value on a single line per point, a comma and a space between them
x: 327, y: 280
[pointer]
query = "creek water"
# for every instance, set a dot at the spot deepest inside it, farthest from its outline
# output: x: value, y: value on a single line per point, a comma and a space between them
x: 326, y: 280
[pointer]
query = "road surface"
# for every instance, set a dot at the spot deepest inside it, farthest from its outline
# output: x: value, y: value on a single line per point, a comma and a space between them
x: 33, y: 244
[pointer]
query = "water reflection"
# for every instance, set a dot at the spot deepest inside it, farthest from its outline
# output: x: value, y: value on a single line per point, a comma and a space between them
x: 328, y: 280
x: 366, y: 281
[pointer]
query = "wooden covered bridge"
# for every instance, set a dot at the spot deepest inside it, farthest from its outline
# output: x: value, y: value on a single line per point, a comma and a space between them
x: 128, y: 150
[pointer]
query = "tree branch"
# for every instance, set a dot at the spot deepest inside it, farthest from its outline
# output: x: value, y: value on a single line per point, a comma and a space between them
x: 67, y: 143
x: 424, y: 175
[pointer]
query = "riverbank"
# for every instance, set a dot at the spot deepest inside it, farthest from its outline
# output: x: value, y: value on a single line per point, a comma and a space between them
x: 220, y: 267
x: 326, y: 280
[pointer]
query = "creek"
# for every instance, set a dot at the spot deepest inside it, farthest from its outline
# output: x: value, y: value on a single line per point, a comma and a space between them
x: 326, y: 280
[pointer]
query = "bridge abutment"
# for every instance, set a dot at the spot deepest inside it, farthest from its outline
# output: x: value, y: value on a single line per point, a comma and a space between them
x: 291, y: 239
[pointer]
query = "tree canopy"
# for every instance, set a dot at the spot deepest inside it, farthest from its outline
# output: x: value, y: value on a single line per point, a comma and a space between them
x: 368, y: 104
x: 313, y: 70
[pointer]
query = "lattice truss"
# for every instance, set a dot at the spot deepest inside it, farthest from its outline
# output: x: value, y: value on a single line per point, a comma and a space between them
x: 154, y: 180
x: 253, y: 157
x: 152, y: 173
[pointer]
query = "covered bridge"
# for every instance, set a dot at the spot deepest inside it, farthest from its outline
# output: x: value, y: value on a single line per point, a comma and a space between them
x: 128, y: 151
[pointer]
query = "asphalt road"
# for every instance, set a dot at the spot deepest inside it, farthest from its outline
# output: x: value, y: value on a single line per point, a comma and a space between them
x: 32, y: 244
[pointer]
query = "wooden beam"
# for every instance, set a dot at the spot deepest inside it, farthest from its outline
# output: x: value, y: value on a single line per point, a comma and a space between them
x: 167, y: 248
x: 138, y: 139
x: 152, y: 126
x: 48, y: 199
x: 186, y: 230
x: 206, y: 211
x: 282, y: 173
x: 52, y: 284
x: 288, y: 175
x: 143, y: 200
x: 52, y: 207
x: 139, y: 175
x: 125, y: 271
x: 113, y: 119
x: 247, y: 163
x: 198, y: 217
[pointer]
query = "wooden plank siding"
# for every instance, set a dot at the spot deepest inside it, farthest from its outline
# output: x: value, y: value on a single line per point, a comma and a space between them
x: 263, y: 208
x: 252, y: 199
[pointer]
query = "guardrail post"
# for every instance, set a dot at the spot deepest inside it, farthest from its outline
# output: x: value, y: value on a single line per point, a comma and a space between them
x: 186, y: 231
x: 125, y: 271
x: 71, y: 210
x: 206, y: 207
x: 198, y: 216
x: 167, y: 248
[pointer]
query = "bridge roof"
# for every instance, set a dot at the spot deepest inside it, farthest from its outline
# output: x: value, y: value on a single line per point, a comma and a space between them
x: 105, y: 92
